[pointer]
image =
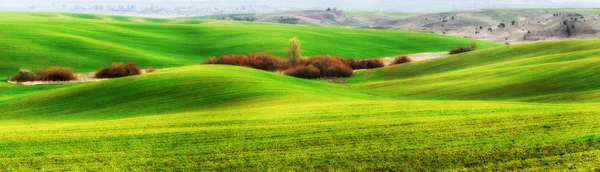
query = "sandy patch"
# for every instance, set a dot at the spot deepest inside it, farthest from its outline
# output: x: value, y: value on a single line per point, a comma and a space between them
x: 416, y: 57
x: 81, y: 78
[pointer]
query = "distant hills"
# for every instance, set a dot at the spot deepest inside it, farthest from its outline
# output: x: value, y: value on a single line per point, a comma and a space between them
x: 498, y: 25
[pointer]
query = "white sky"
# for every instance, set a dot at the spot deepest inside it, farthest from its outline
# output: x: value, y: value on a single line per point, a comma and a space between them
x: 401, y: 5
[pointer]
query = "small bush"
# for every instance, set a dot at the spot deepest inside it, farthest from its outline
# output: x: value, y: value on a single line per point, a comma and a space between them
x: 212, y: 60
x: 150, y: 69
x: 103, y: 73
x: 472, y: 47
x: 132, y: 69
x: 330, y: 67
x: 24, y: 75
x: 118, y: 70
x: 401, y: 60
x: 303, y: 71
x: 257, y: 61
x: 460, y: 50
x: 58, y: 74
x: 364, y: 64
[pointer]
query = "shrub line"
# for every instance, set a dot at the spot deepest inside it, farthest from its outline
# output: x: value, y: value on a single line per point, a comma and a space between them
x: 313, y: 67
x: 81, y: 78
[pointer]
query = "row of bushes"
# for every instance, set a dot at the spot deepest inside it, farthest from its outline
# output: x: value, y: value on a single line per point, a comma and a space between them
x: 328, y: 67
x: 364, y: 64
x: 58, y: 74
x: 460, y: 50
x: 66, y: 74
x: 50, y: 74
x: 315, y: 67
x: 472, y: 47
x: 24, y: 75
x: 257, y: 61
x: 401, y: 60
x: 117, y: 70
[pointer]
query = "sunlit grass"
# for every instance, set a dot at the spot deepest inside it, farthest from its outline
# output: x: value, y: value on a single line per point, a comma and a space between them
x: 522, y: 107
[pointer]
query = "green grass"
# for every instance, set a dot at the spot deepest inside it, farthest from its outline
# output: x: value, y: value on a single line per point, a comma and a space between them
x: 174, y: 90
x: 553, y: 72
x: 32, y: 40
x: 582, y: 11
x: 529, y: 107
x: 227, y: 118
x: 232, y: 118
x: 363, y: 135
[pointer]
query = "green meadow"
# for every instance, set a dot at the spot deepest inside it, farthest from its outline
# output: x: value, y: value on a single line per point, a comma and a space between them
x: 583, y: 11
x: 526, y: 107
x: 87, y: 42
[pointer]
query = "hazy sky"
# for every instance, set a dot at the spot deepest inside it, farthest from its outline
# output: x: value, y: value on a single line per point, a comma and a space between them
x: 397, y: 5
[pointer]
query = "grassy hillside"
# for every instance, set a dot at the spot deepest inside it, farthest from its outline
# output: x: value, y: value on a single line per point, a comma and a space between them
x: 559, y: 71
x: 233, y: 118
x: 531, y: 107
x: 582, y: 11
x: 87, y: 42
x: 174, y: 90
x: 365, y: 135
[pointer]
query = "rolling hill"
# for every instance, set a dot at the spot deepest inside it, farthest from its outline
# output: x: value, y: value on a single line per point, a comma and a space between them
x: 530, y: 107
x: 174, y: 90
x: 315, y: 17
x: 559, y: 71
x: 498, y: 25
x: 204, y: 117
x: 87, y: 42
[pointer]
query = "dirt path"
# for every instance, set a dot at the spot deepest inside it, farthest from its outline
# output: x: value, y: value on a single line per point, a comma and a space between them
x: 416, y: 57
x: 81, y: 78
x: 84, y: 77
x: 90, y: 77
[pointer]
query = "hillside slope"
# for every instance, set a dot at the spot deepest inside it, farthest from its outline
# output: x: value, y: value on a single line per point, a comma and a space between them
x: 520, y: 25
x: 559, y: 71
x: 530, y: 107
x: 87, y: 42
x: 193, y: 88
x: 211, y: 117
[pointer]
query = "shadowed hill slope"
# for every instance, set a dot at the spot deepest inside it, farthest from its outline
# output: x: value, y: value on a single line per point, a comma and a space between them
x: 192, y: 88
x: 553, y: 72
x: 559, y: 71
x: 87, y: 42
x: 228, y: 118
x: 213, y: 117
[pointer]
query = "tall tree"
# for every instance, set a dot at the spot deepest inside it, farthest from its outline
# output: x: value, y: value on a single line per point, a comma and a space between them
x: 294, y: 49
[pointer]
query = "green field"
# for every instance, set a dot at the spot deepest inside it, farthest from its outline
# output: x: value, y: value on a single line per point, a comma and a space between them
x: 531, y: 107
x: 87, y: 42
x: 549, y: 72
x: 582, y: 11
